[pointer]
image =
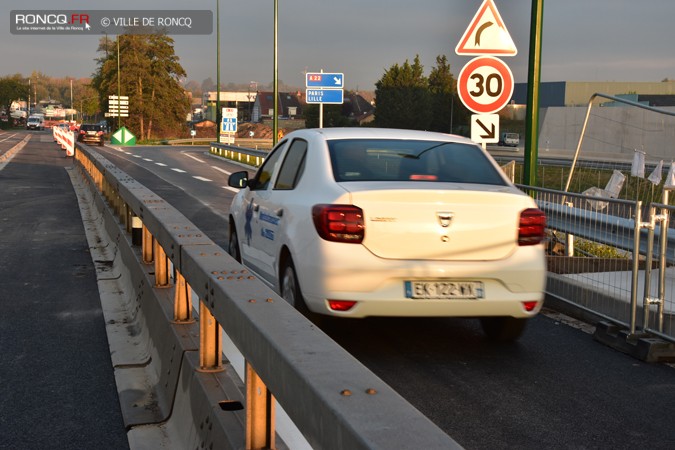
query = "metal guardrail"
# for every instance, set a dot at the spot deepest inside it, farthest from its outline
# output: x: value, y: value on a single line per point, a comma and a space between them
x: 335, y: 401
x: 613, y: 278
x: 242, y: 155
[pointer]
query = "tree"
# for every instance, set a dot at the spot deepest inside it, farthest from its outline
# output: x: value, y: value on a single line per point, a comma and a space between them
x: 12, y: 88
x: 332, y: 116
x: 442, y: 87
x: 150, y: 76
x: 403, y: 99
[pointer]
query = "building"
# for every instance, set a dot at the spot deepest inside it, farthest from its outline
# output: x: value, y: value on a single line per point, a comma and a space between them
x: 243, y: 101
x: 290, y: 105
x: 578, y: 93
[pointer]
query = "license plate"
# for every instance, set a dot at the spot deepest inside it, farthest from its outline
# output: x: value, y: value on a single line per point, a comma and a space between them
x: 444, y: 289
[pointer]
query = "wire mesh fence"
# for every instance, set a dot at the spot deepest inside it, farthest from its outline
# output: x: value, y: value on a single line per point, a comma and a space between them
x: 605, y: 256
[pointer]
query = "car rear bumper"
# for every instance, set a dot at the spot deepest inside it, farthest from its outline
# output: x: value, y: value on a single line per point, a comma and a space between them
x: 378, y: 285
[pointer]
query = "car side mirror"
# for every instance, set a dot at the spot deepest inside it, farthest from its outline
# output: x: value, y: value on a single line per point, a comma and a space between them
x: 238, y: 180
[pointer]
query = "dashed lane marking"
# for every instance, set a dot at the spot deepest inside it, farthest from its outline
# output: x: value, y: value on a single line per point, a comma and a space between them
x: 193, y: 157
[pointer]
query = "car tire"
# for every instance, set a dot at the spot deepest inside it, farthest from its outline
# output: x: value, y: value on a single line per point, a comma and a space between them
x: 233, y: 245
x: 503, y: 329
x: 290, y: 291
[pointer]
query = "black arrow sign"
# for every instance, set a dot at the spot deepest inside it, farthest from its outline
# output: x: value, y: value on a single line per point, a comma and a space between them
x: 490, y: 133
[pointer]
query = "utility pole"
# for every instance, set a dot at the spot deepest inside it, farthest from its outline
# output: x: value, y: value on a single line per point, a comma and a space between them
x: 218, y: 112
x: 533, y: 81
x: 275, y: 120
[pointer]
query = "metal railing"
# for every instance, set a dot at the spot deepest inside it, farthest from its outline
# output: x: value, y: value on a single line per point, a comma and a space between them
x: 334, y: 401
x: 241, y: 155
x: 601, y: 258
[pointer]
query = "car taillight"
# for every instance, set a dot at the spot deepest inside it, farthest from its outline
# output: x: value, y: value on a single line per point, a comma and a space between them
x: 339, y: 223
x: 341, y: 305
x: 532, y: 226
x: 530, y: 306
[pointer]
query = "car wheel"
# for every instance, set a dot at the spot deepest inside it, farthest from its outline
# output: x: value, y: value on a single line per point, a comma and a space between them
x: 290, y: 291
x: 233, y: 245
x: 503, y: 329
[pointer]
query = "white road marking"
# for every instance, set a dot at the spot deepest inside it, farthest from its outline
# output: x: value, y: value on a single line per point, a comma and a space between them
x: 193, y: 157
x: 137, y: 156
x: 161, y: 164
x: 178, y: 170
x: 147, y: 159
x: 201, y: 178
x: 230, y: 189
x: 221, y: 170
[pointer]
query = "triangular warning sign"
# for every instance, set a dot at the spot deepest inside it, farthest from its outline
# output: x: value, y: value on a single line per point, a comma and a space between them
x: 486, y: 34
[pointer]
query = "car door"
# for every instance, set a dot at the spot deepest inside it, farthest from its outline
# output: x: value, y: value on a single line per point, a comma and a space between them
x: 275, y: 205
x: 256, y: 226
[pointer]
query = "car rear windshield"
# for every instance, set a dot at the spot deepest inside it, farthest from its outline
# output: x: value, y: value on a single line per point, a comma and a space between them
x: 408, y: 160
x: 90, y: 127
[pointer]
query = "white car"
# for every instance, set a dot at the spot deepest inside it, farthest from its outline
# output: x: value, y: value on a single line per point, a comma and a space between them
x: 358, y: 222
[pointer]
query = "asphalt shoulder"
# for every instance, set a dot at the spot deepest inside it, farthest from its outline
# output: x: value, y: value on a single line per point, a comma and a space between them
x: 57, y: 386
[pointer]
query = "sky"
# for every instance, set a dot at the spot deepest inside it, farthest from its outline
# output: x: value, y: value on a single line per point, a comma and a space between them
x: 583, y: 40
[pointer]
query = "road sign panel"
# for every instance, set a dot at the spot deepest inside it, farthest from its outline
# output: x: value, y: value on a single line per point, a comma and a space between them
x: 123, y: 137
x: 229, y: 125
x: 324, y: 80
x: 486, y: 34
x: 485, y: 85
x: 485, y: 128
x: 230, y: 112
x: 335, y: 96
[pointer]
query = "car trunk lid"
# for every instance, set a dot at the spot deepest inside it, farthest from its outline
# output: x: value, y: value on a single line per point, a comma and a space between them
x: 457, y: 222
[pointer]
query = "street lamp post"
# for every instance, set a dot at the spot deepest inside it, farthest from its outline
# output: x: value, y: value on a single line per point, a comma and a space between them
x: 275, y: 121
x: 218, y: 112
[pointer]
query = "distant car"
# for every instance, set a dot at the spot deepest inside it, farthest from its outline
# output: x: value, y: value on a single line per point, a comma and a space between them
x: 376, y: 222
x: 91, y: 133
x: 509, y: 139
x: 35, y: 123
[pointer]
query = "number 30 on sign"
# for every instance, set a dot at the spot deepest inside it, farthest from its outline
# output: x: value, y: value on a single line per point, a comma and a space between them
x: 485, y: 85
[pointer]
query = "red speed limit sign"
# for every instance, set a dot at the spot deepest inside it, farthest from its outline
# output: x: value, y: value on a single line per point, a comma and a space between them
x: 485, y: 85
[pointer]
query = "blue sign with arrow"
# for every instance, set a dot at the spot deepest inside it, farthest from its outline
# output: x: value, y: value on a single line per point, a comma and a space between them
x: 325, y: 80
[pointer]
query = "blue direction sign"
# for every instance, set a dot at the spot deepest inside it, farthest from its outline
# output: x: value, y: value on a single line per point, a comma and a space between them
x: 325, y: 96
x: 325, y: 80
x: 229, y: 125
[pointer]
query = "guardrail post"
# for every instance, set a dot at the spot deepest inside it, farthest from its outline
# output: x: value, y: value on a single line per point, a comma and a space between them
x: 647, y: 300
x: 182, y: 309
x: 210, y: 339
x: 147, y: 245
x: 636, y: 266
x: 663, y: 248
x: 136, y: 230
x: 569, y: 238
x: 128, y: 217
x: 260, y: 425
x: 161, y: 266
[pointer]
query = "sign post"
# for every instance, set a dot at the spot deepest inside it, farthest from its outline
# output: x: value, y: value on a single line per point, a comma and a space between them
x: 485, y: 84
x: 118, y: 106
x: 324, y: 88
x: 228, y: 126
